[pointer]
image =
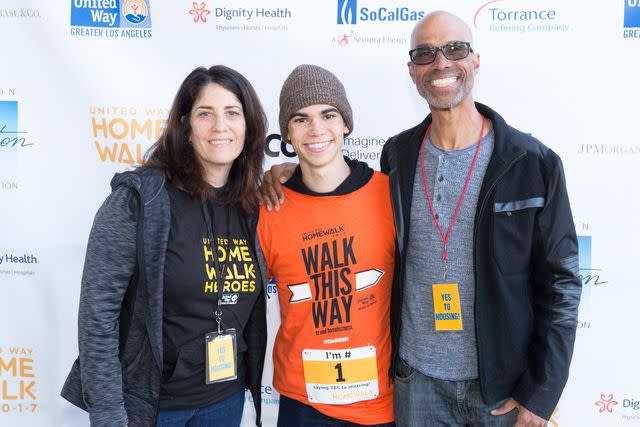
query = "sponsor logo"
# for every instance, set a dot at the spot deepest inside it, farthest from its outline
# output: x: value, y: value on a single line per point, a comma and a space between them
x: 123, y: 134
x: 627, y: 408
x: 606, y: 403
x: 588, y: 274
x: 13, y: 140
x: 631, y: 19
x: 275, y: 146
x: 200, y: 12
x: 272, y: 287
x: 229, y: 299
x: 365, y: 148
x: 247, y: 19
x: 269, y: 395
x: 20, y: 13
x: 519, y: 16
x: 111, y: 18
x: 19, y: 381
x: 18, y: 264
x: 349, y: 13
x: 354, y: 15
x: 609, y: 149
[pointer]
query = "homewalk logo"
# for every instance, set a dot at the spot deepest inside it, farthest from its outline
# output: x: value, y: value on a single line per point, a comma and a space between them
x: 632, y: 19
x: 502, y: 16
x: 111, y: 18
x: 349, y: 13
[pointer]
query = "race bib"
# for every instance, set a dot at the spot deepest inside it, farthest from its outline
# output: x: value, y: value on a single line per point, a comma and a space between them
x: 340, y: 377
x: 446, y: 307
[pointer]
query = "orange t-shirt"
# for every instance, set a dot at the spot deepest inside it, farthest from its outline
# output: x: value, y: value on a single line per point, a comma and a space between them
x: 332, y: 258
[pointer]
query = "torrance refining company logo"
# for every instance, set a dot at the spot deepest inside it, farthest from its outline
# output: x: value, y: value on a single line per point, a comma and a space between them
x: 111, y: 18
x: 519, y: 16
x: 606, y: 403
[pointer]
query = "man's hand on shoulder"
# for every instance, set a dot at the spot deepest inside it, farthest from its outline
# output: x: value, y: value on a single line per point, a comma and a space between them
x: 525, y: 418
x: 271, y: 194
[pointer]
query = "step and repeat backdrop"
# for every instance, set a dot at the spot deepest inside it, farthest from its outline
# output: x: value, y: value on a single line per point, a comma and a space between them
x: 85, y: 87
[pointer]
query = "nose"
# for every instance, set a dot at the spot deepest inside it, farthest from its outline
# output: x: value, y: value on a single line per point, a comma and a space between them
x: 315, y: 127
x: 441, y: 61
x: 219, y: 123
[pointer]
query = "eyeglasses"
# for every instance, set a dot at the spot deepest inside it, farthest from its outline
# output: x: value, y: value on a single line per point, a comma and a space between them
x: 453, y: 51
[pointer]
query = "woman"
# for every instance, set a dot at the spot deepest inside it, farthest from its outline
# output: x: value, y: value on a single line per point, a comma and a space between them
x: 172, y: 320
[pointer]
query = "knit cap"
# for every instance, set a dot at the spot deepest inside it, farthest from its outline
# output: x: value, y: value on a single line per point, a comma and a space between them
x: 310, y: 85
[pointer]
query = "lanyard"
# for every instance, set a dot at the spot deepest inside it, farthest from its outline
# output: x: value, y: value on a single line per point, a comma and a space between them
x: 219, y: 268
x: 445, y: 238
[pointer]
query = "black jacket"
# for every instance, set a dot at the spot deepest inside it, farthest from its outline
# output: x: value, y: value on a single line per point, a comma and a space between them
x: 527, y: 287
x: 117, y: 375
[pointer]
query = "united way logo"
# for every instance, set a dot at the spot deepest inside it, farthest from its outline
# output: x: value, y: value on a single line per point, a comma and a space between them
x: 632, y: 13
x: 347, y: 12
x: 111, y: 13
x: 135, y: 12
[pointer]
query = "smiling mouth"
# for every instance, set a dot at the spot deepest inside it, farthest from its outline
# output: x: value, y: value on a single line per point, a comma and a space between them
x: 318, y: 146
x: 443, y: 82
x: 219, y: 141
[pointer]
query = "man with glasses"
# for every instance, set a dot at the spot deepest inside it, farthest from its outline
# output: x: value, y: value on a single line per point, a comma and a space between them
x: 485, y: 314
x: 484, y: 320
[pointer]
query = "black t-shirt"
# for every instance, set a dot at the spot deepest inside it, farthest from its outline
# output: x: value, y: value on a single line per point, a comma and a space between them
x: 190, y: 298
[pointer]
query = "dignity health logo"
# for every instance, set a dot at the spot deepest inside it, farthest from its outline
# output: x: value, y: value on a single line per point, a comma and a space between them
x: 111, y: 18
x: 349, y: 13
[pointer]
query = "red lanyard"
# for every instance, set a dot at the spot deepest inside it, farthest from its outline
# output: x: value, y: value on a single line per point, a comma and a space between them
x: 445, y: 238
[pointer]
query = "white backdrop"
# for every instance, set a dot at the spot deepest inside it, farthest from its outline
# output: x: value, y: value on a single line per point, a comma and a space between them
x: 81, y: 99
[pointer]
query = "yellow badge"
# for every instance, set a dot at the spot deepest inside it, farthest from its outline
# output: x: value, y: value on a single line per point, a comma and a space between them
x: 340, y: 377
x: 221, y: 358
x: 446, y: 307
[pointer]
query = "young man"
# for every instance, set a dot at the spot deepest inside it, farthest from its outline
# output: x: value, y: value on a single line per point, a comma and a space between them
x: 331, y: 251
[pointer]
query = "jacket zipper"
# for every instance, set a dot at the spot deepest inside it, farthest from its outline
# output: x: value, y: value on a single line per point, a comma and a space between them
x: 475, y: 240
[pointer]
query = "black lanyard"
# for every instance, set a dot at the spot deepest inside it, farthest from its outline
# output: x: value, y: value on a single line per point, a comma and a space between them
x: 219, y: 267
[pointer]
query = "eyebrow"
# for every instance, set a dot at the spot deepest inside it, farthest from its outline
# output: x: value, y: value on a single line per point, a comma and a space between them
x: 449, y: 42
x: 325, y: 111
x: 208, y: 107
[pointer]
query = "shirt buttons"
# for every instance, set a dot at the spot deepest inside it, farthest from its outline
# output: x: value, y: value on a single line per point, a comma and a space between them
x: 440, y: 178
x: 438, y: 197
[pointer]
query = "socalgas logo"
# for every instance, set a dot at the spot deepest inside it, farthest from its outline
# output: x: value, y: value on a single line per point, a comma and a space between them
x: 111, y: 18
x: 520, y: 16
x: 374, y: 11
x: 631, y: 19
x: 122, y: 134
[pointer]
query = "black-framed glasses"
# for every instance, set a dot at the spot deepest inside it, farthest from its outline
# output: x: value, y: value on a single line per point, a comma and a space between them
x: 453, y: 51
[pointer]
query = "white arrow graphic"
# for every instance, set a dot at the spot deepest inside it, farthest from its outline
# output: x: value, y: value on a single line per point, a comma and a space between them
x: 299, y: 293
x: 366, y: 279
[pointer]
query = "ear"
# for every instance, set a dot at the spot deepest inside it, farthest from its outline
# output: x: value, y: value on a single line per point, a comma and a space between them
x: 346, y: 130
x: 476, y: 63
x: 412, y: 70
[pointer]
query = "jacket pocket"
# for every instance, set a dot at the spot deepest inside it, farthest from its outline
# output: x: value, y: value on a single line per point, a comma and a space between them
x: 513, y: 226
x: 404, y: 371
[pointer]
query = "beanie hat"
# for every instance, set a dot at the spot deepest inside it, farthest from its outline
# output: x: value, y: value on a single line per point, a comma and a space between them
x: 310, y: 85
